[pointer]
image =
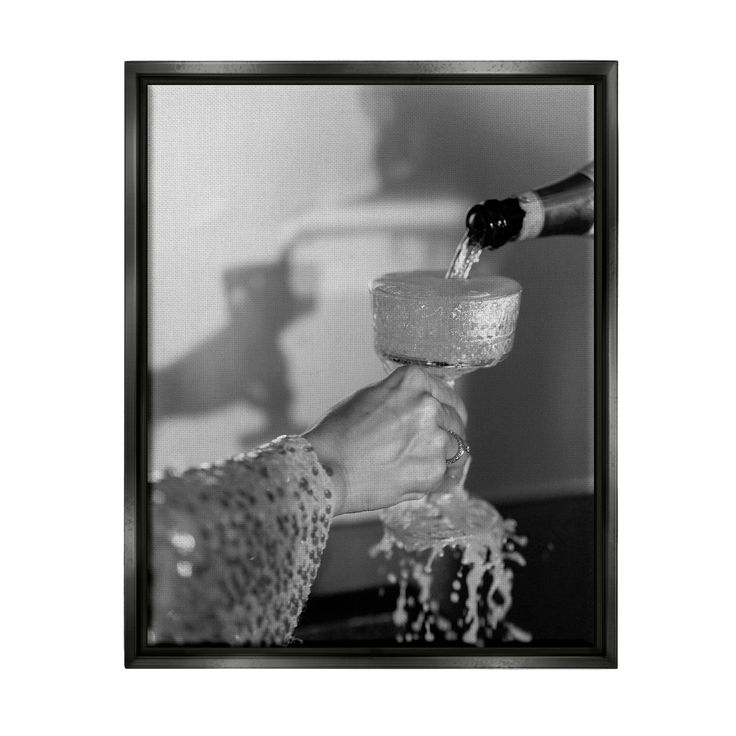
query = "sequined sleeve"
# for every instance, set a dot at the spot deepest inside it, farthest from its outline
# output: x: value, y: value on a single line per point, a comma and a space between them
x: 236, y: 546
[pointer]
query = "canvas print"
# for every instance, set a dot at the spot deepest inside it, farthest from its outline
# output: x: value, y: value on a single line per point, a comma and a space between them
x: 371, y: 362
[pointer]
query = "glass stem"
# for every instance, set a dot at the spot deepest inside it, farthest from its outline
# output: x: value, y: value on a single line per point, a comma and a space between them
x: 459, y: 485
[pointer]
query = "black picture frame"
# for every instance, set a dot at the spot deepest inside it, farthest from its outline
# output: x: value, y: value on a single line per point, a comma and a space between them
x: 602, y: 75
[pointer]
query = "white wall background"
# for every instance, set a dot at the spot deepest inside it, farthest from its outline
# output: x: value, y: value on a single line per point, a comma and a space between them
x: 229, y: 168
x: 62, y: 302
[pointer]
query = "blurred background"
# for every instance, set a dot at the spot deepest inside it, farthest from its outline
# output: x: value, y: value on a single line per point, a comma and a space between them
x: 272, y: 207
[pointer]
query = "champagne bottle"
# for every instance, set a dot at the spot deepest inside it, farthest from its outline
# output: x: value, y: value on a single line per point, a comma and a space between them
x: 562, y: 208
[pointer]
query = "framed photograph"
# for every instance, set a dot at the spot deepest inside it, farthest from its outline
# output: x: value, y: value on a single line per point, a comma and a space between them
x: 370, y: 364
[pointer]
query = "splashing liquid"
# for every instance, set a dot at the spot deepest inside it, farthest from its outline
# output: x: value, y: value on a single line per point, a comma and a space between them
x: 474, y: 609
x: 466, y: 255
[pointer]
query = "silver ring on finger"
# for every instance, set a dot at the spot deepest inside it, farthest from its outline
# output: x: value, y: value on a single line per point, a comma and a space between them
x: 463, y: 448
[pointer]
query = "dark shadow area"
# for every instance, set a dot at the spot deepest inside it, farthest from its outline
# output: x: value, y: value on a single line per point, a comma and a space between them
x: 530, y: 419
x: 242, y: 362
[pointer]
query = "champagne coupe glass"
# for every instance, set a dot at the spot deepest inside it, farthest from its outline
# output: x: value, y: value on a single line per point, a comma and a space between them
x: 450, y: 327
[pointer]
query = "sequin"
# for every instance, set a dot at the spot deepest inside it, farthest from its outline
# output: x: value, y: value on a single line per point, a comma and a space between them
x: 183, y: 542
x: 184, y: 568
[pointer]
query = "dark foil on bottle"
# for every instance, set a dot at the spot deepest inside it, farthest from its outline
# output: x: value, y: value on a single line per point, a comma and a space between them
x: 494, y: 222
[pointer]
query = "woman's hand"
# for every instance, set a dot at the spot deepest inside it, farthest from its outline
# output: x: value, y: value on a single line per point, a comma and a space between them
x: 388, y: 442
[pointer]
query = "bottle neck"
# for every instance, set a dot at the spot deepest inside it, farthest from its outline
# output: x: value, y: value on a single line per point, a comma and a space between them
x: 562, y: 208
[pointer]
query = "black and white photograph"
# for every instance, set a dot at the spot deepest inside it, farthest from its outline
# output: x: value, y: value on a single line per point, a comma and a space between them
x: 354, y: 356
x: 371, y: 344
